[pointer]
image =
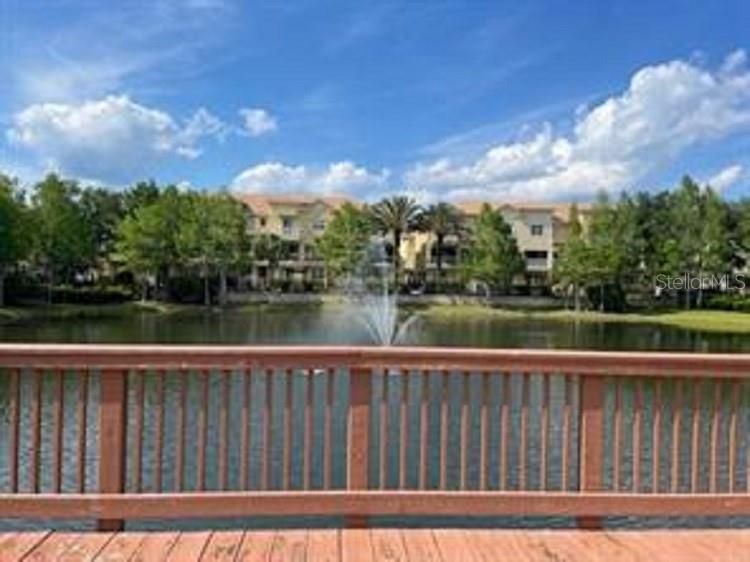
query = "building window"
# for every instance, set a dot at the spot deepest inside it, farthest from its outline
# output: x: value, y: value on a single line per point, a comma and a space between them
x: 319, y: 225
x: 536, y: 254
x: 537, y: 229
x: 286, y: 225
x: 262, y: 222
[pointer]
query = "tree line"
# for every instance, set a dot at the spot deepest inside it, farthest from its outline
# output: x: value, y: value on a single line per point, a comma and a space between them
x: 164, y: 243
x: 615, y: 257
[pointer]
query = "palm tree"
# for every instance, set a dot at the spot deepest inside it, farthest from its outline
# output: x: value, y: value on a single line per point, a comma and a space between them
x: 396, y: 215
x: 441, y: 219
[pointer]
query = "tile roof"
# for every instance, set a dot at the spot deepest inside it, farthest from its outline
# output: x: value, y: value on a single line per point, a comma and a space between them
x: 560, y: 211
x: 262, y: 204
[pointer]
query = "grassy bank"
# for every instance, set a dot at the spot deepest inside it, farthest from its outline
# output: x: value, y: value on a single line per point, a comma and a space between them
x: 705, y: 320
x: 74, y: 311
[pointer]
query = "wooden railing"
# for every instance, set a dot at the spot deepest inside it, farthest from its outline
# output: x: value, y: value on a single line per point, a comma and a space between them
x: 126, y: 432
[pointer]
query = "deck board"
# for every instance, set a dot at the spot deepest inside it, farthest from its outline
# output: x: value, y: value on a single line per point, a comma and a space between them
x: 223, y: 546
x: 86, y: 547
x: 356, y: 546
x: 289, y: 546
x: 121, y: 547
x: 155, y: 547
x: 256, y: 546
x: 52, y: 547
x: 16, y: 545
x: 323, y: 546
x: 388, y: 545
x: 382, y: 545
x: 189, y: 546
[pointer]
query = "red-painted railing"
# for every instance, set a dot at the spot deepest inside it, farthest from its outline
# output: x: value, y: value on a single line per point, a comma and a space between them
x: 120, y: 432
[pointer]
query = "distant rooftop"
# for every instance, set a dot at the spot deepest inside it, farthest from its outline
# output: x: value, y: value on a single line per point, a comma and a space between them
x: 560, y: 211
x: 261, y: 203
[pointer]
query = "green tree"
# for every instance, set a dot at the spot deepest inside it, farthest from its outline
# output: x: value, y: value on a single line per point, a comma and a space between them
x: 213, y: 238
x: 396, y: 216
x: 441, y: 220
x: 102, y: 210
x: 14, y: 230
x: 142, y: 194
x: 63, y: 237
x: 344, y: 241
x: 607, y: 241
x: 681, y: 247
x: 492, y: 255
x: 715, y: 249
x: 147, y: 240
x: 571, y: 267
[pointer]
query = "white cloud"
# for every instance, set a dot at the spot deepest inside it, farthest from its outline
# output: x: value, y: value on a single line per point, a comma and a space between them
x: 258, y: 121
x: 727, y: 177
x: 666, y: 109
x: 111, y: 139
x: 339, y: 177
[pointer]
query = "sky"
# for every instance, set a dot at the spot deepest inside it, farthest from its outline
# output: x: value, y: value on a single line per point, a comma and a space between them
x: 445, y: 100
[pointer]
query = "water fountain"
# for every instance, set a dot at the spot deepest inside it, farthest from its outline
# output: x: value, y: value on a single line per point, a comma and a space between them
x: 377, y: 306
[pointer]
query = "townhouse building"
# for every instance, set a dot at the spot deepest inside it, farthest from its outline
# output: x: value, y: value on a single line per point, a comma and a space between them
x: 540, y: 231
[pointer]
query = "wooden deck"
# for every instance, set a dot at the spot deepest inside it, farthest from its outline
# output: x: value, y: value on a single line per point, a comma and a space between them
x: 415, y: 545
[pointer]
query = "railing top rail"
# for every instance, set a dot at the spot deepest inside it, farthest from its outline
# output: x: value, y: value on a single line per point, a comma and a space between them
x: 45, y: 356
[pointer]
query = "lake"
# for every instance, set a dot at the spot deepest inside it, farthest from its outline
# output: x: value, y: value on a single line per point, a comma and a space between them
x: 333, y: 324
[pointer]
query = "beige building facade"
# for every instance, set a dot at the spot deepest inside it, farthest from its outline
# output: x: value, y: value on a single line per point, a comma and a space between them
x: 297, y: 221
x: 540, y: 231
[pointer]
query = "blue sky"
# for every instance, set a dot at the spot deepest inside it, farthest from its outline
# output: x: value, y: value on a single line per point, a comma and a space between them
x: 452, y: 100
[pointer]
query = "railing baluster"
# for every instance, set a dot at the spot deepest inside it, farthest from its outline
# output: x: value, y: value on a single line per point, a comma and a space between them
x: 566, y: 429
x: 444, y: 397
x: 226, y: 380
x: 307, y: 460
x: 202, y: 431
x: 523, y: 445
x: 358, y: 437
x: 591, y: 440
x: 732, y: 438
x: 676, y: 431
x: 159, y: 424
x: 504, y: 430
x: 113, y: 412
x: 715, y: 439
x: 656, y: 438
x: 617, y: 437
x: 544, y: 431
x: 464, y: 454
x: 327, y: 428
x: 14, y: 397
x: 696, y: 437
x: 404, y: 429
x: 245, y: 431
x: 81, y: 411
x: 424, y: 430
x: 383, y: 431
x: 58, y: 406
x: 266, y: 456
x: 179, y: 463
x: 637, y: 433
x: 36, y: 426
x: 138, y: 431
x: 484, y: 430
x: 287, y: 458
